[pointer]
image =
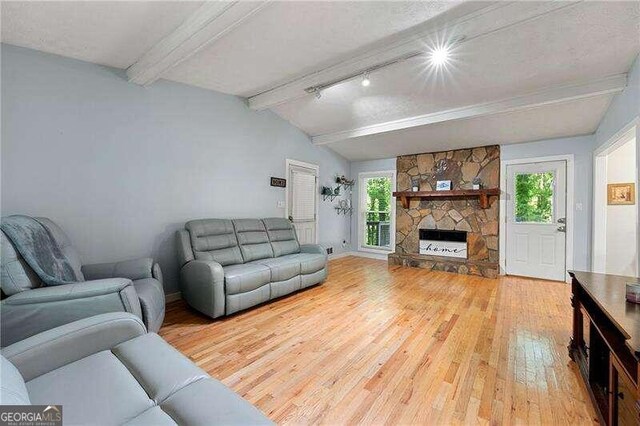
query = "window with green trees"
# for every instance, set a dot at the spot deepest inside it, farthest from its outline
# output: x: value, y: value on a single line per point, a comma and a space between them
x: 378, y: 212
x: 534, y: 197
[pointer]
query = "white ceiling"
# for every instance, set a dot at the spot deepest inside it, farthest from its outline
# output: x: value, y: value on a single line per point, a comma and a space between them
x: 113, y: 33
x: 287, y: 38
x: 512, y: 50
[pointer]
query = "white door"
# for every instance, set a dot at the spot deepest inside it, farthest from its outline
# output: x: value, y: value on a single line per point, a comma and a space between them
x: 536, y: 220
x: 302, y: 199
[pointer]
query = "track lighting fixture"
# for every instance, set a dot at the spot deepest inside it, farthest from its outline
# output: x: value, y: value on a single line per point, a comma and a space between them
x: 438, y: 56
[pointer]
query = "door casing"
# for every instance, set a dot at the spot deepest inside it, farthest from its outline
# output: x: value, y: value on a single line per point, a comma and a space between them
x: 288, y: 164
x: 569, y: 158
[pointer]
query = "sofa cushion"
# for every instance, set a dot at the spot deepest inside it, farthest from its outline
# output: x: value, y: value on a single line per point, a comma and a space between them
x: 241, y: 301
x: 246, y: 277
x: 253, y: 239
x: 282, y: 268
x: 142, y: 381
x: 282, y: 236
x: 209, y: 402
x: 311, y: 262
x: 214, y: 239
x: 95, y: 388
x: 147, y: 358
x: 307, y: 280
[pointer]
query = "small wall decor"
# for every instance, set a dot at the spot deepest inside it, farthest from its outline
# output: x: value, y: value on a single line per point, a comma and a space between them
x: 443, y: 185
x: 278, y: 182
x: 476, y: 183
x: 415, y: 185
x: 328, y: 193
x: 342, y: 180
x: 621, y: 193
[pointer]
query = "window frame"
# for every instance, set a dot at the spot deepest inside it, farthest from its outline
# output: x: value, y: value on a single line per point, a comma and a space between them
x: 362, y: 208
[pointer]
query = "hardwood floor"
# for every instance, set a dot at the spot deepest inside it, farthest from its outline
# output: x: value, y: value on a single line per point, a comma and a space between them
x: 377, y: 344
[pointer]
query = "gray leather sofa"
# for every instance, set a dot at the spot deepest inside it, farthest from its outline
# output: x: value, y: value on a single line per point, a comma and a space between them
x: 231, y: 265
x: 108, y: 370
x: 28, y: 307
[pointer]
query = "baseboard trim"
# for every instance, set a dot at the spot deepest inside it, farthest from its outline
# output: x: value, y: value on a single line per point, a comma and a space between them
x: 339, y: 255
x: 378, y: 256
x: 168, y: 298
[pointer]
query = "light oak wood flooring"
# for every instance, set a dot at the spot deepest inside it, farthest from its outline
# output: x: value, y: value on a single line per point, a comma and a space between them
x: 392, y: 345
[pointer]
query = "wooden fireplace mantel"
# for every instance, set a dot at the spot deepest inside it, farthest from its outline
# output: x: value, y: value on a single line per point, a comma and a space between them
x: 481, y: 194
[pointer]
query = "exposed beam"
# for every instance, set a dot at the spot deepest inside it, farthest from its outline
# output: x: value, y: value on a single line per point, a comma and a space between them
x: 471, y: 19
x: 549, y: 96
x: 211, y: 21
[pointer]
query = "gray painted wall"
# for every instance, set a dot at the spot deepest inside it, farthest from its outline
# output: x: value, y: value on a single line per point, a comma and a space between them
x: 581, y: 147
x: 121, y: 167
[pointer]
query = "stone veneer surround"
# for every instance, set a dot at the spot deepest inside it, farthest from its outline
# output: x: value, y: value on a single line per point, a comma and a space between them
x: 460, y: 167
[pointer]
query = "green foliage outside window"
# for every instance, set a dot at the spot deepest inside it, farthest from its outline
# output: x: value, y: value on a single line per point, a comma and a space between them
x: 534, y: 197
x: 378, y: 208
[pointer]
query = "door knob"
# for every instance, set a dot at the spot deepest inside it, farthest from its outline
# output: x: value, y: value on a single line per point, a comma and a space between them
x: 562, y: 220
x: 562, y: 229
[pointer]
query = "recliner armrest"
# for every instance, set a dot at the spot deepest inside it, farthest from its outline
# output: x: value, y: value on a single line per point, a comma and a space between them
x: 69, y: 291
x: 34, y: 311
x: 63, y: 345
x: 202, y: 286
x: 313, y: 248
x: 134, y: 269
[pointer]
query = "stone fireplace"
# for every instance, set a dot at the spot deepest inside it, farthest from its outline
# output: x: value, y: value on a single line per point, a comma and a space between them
x: 454, y: 235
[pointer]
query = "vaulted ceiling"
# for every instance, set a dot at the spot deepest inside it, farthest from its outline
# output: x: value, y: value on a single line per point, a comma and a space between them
x: 519, y: 71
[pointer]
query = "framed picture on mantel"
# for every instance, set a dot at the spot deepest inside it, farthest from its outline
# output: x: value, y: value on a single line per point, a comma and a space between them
x: 621, y: 193
x: 443, y: 185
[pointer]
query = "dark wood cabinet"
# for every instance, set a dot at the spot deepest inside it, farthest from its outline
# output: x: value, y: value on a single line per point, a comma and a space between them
x: 605, y: 344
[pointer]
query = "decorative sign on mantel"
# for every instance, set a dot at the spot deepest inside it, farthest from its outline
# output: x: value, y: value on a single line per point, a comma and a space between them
x: 443, y: 248
x: 278, y: 182
x: 443, y: 243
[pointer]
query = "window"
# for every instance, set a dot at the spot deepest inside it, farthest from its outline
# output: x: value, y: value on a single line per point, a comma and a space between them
x: 534, y: 197
x: 376, y: 211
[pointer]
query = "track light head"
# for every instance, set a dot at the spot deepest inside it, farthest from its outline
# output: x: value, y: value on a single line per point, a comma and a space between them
x: 365, y: 80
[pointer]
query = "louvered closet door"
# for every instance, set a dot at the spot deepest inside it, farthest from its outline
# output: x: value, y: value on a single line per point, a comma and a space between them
x: 302, y: 205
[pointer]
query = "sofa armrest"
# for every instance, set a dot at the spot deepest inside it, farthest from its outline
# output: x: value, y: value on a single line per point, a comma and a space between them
x: 69, y: 291
x: 202, y: 286
x: 135, y: 269
x: 63, y: 345
x: 34, y: 311
x: 313, y: 248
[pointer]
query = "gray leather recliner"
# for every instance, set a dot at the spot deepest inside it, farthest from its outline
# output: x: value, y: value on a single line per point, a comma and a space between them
x: 107, y: 369
x: 231, y: 265
x: 28, y: 307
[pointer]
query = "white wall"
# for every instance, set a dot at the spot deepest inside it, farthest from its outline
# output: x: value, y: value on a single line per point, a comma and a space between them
x: 121, y: 167
x: 387, y: 164
x: 621, y: 228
